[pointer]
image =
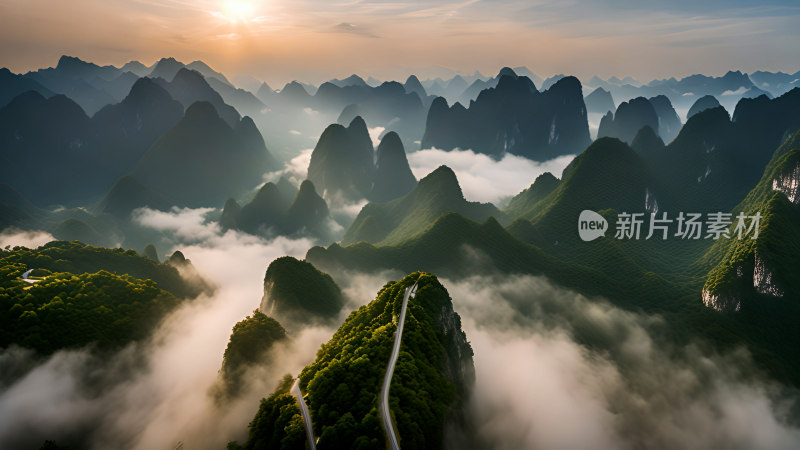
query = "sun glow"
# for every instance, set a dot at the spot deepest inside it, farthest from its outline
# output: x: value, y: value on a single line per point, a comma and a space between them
x: 239, y: 11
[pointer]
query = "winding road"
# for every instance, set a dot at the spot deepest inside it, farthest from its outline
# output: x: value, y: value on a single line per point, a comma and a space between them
x: 306, y: 415
x: 28, y: 280
x: 386, y: 414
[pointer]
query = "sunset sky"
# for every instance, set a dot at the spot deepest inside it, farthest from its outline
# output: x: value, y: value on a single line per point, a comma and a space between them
x: 314, y: 40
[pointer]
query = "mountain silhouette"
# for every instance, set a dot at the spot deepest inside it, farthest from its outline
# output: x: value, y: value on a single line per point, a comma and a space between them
x: 513, y: 118
x: 202, y: 159
x: 189, y: 86
x: 264, y: 211
x: 127, y: 129
x: 342, y: 161
x: 392, y: 176
x: 702, y: 104
x: 307, y: 212
x: 669, y: 124
x: 128, y: 194
x: 629, y: 118
x: 12, y: 85
x: 599, y: 101
x: 52, y: 135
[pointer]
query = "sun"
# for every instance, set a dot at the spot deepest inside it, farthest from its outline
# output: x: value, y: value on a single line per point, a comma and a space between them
x: 239, y: 11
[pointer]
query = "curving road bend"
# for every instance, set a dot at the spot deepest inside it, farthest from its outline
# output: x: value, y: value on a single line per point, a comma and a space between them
x: 306, y: 415
x: 386, y: 414
x: 28, y: 280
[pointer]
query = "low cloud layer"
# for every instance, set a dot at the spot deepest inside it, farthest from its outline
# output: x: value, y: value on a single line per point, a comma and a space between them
x: 296, y: 169
x: 154, y: 394
x: 11, y: 237
x: 557, y: 370
x: 554, y: 369
x: 482, y: 178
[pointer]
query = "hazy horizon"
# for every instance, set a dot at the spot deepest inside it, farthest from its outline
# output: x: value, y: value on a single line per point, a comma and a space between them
x: 314, y: 41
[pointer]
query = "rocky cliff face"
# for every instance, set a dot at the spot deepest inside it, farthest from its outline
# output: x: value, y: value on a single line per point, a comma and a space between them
x: 720, y: 302
x: 763, y: 279
x: 789, y: 184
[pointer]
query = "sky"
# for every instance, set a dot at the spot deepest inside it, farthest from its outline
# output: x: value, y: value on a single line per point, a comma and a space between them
x: 315, y: 40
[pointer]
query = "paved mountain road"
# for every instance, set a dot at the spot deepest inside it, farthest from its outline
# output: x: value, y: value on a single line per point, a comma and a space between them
x: 386, y: 414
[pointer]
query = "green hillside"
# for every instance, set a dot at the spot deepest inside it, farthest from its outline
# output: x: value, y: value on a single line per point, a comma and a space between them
x: 297, y: 292
x: 400, y: 219
x: 250, y: 341
x: 74, y: 303
x: 747, y: 269
x: 77, y: 258
x: 432, y: 376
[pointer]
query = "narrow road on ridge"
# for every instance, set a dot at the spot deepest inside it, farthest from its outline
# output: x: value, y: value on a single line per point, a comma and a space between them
x: 306, y: 415
x: 386, y: 414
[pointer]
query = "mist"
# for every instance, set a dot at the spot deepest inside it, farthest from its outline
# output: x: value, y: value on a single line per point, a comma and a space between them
x: 11, y: 237
x: 554, y: 369
x: 155, y: 394
x: 482, y: 178
x: 557, y: 370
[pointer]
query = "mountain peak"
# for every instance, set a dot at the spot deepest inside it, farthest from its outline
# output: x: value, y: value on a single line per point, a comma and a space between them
x: 412, y: 79
x: 442, y: 181
x: 145, y: 88
x: 357, y: 125
x: 703, y: 103
x: 354, y: 80
x: 166, y: 68
x: 506, y: 71
x: 647, y: 140
x: 567, y: 84
x: 199, y: 111
x: 393, y: 177
x: 188, y: 75
x: 65, y: 62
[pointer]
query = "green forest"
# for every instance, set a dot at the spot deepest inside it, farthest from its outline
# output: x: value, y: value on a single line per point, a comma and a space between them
x: 78, y: 300
x: 343, y: 383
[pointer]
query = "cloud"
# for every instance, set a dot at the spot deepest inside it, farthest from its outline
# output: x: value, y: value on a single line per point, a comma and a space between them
x: 555, y: 369
x: 739, y: 91
x: 375, y: 135
x: 154, y: 394
x: 351, y: 28
x: 296, y: 169
x: 186, y: 224
x: 14, y: 237
x: 482, y: 178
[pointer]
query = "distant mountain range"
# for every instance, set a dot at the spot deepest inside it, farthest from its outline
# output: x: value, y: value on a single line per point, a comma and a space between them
x: 513, y: 117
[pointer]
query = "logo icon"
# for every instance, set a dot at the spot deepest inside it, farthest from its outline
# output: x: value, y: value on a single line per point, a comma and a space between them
x: 591, y: 225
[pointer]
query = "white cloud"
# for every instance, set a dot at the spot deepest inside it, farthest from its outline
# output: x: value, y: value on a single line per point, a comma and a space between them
x: 186, y: 224
x: 155, y: 394
x: 296, y: 169
x: 739, y: 91
x: 375, y: 135
x: 482, y: 178
x: 539, y: 385
x: 14, y: 237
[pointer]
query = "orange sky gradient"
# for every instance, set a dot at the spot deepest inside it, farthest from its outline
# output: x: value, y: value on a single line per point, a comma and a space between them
x: 314, y: 40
